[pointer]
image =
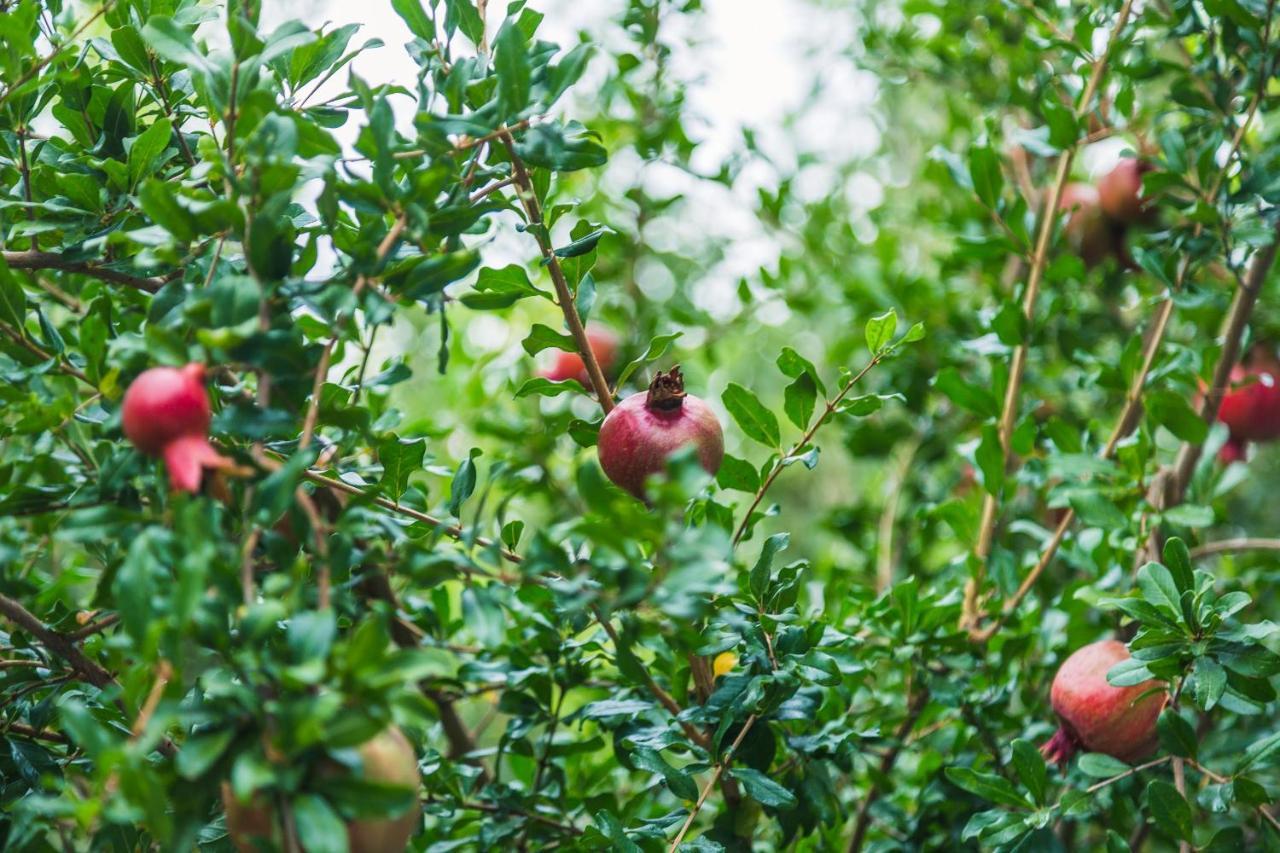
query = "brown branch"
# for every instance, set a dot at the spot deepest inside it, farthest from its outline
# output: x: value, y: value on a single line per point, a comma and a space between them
x: 37, y: 260
x: 533, y: 211
x: 94, y: 628
x: 1229, y: 546
x: 17, y: 336
x: 57, y: 643
x: 491, y: 808
x: 33, y: 733
x: 863, y: 820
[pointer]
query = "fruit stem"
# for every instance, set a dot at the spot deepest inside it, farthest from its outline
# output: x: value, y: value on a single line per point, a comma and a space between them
x: 666, y: 391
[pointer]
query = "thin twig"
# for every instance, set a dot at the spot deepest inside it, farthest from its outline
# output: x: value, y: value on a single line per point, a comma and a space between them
x: 1228, y: 546
x: 57, y: 643
x: 720, y: 767
x: 828, y: 409
x: 322, y: 369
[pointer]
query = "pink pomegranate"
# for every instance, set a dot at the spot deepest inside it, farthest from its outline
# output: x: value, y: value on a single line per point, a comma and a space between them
x: 569, y: 365
x: 166, y: 414
x: 1251, y: 405
x: 1088, y: 232
x: 1120, y: 191
x: 645, y: 429
x: 1097, y: 717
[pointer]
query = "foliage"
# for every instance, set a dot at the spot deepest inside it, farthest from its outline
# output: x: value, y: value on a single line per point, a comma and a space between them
x: 954, y: 454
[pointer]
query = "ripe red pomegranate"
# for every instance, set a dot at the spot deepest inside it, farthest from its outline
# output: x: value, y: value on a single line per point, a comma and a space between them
x: 1251, y: 405
x: 645, y: 429
x: 1097, y: 717
x: 1120, y: 191
x: 569, y: 365
x: 166, y: 414
x: 387, y: 758
x: 1088, y: 232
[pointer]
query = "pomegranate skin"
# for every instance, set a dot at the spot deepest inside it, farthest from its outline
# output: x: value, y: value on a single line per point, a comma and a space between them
x: 645, y: 429
x: 1251, y: 406
x: 1087, y: 230
x: 1094, y: 715
x: 165, y: 403
x: 166, y: 414
x: 569, y: 365
x: 1120, y: 191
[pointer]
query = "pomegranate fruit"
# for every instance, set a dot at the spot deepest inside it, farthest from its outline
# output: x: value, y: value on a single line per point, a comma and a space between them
x: 1088, y: 232
x: 166, y: 414
x: 645, y: 429
x: 387, y: 758
x: 569, y: 365
x: 1251, y: 405
x: 1120, y: 191
x: 1096, y: 716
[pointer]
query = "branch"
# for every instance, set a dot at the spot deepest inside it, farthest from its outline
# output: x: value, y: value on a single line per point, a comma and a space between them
x: 1228, y: 546
x: 711, y: 783
x: 863, y: 821
x: 828, y: 409
x: 57, y: 643
x: 1048, y: 216
x: 36, y: 260
x: 533, y: 211
x: 322, y: 369
x: 17, y: 336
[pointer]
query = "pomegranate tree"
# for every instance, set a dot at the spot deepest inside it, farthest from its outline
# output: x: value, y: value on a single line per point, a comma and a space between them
x: 166, y: 415
x: 644, y: 430
x: 1097, y: 716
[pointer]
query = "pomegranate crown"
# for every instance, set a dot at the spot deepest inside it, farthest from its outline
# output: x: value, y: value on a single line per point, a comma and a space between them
x: 666, y: 391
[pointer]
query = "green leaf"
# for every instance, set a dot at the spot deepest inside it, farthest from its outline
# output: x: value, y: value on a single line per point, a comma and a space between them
x: 1159, y: 590
x: 984, y: 171
x: 1174, y: 413
x: 1100, y: 766
x: 1207, y: 682
x: 799, y: 399
x: 738, y: 474
x: 1178, y: 560
x: 1032, y: 772
x: 1169, y: 809
x: 582, y: 245
x: 974, y: 398
x: 511, y: 62
x: 988, y: 786
x: 462, y: 14
x: 200, y: 752
x: 761, y: 572
x: 400, y: 458
x: 1176, y: 734
x: 680, y: 782
x: 879, y: 331
x: 463, y: 484
x: 544, y: 387
x: 174, y: 43
x: 319, y: 828
x: 541, y: 337
x: 509, y: 280
x: 657, y: 348
x: 755, y: 421
x: 411, y: 12
x: 764, y: 790
x: 13, y: 301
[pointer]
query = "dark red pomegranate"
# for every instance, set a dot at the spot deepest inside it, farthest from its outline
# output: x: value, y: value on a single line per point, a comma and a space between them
x: 645, y: 429
x: 1251, y: 405
x: 1088, y: 232
x: 569, y: 365
x: 1120, y: 191
x: 1097, y: 717
x: 166, y: 414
